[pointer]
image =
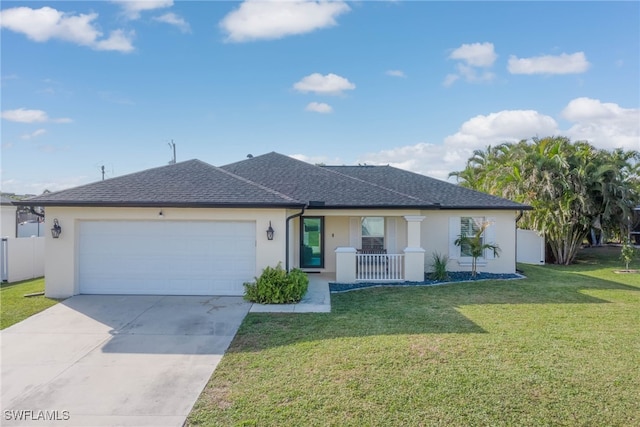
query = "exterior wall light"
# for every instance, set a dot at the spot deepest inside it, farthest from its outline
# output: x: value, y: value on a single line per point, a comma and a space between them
x: 270, y: 232
x: 56, y: 229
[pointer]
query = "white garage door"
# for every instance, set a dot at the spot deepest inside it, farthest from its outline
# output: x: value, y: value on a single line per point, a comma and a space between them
x: 166, y: 257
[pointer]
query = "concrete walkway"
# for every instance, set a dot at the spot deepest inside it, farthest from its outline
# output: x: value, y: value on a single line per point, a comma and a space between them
x: 112, y: 360
x: 316, y: 300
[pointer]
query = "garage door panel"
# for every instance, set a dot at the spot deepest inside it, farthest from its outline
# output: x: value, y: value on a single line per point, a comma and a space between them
x: 166, y: 257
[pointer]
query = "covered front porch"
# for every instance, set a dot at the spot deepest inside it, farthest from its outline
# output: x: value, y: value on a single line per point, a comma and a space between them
x: 362, y: 245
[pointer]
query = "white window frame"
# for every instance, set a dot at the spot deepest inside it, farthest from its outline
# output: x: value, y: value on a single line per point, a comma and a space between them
x: 455, y: 229
x: 383, y: 236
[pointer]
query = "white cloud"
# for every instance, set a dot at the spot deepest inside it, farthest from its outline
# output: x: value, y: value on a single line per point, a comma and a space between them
x: 56, y: 184
x: 574, y: 63
x: 503, y: 126
x: 41, y: 25
x: 396, y: 73
x: 22, y: 115
x: 473, y: 59
x: 475, y: 54
x: 450, y: 79
x: 605, y: 125
x: 319, y: 107
x: 435, y: 160
x: 316, y: 160
x: 34, y: 134
x: 269, y: 19
x: 331, y: 84
x: 118, y: 40
x: 438, y: 160
x: 474, y: 75
x: 175, y: 20
x: 132, y: 8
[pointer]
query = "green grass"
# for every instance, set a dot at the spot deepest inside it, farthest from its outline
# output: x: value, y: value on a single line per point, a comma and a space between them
x: 560, y: 348
x: 16, y: 307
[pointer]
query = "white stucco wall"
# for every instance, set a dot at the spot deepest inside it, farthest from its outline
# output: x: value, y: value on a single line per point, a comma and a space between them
x: 61, y: 256
x: 435, y: 238
x: 434, y: 235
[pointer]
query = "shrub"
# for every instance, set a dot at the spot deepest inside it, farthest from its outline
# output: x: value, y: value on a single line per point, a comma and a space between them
x: 627, y: 253
x: 439, y: 265
x: 276, y: 286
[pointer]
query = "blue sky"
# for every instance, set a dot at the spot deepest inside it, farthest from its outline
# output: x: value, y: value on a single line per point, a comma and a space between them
x: 418, y: 85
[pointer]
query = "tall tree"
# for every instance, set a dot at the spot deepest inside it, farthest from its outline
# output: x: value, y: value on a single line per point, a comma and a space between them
x: 568, y: 185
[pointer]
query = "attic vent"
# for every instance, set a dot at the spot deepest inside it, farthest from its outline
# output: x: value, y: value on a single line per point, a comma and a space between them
x: 249, y: 156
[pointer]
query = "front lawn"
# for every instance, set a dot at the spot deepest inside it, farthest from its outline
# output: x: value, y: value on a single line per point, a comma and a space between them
x: 15, y: 307
x: 561, y: 347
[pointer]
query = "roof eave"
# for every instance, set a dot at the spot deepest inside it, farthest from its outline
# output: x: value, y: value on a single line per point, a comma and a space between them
x: 395, y: 207
x: 155, y: 204
x: 488, y: 208
x: 424, y: 207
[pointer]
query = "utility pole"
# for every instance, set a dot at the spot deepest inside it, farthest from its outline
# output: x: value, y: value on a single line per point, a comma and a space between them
x: 173, y: 146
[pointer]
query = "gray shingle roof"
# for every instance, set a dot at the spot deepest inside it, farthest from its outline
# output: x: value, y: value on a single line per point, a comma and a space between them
x: 431, y: 190
x: 304, y: 181
x: 5, y: 201
x: 273, y: 180
x: 191, y: 183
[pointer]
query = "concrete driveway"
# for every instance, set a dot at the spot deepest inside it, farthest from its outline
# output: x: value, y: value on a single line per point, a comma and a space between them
x: 109, y: 360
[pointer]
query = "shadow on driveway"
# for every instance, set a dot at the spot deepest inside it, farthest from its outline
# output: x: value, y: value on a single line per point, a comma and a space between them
x: 117, y: 360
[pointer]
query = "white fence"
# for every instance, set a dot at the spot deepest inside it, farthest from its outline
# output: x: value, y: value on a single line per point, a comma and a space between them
x: 21, y: 259
x: 530, y: 248
x: 28, y: 229
x: 386, y: 267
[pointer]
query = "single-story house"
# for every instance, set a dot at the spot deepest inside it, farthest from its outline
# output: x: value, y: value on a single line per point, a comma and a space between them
x: 195, y: 229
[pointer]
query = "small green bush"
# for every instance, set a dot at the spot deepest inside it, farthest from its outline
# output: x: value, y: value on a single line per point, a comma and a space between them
x: 439, y: 265
x: 276, y: 286
x: 627, y: 253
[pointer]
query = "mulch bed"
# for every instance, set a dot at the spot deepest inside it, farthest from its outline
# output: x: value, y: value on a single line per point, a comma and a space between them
x: 454, y: 277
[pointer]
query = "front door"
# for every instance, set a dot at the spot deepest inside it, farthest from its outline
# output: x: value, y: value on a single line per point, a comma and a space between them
x: 312, y: 242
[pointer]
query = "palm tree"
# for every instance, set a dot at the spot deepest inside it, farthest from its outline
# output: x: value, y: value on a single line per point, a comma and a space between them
x: 568, y: 184
x: 475, y: 246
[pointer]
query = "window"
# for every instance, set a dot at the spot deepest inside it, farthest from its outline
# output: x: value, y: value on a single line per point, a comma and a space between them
x: 469, y: 226
x: 372, y: 228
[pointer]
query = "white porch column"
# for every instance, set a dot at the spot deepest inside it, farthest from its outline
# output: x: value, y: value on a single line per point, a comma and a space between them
x: 345, y: 265
x: 413, y: 230
x: 414, y: 253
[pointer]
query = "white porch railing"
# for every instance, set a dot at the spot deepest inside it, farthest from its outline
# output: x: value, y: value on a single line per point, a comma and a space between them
x: 380, y: 267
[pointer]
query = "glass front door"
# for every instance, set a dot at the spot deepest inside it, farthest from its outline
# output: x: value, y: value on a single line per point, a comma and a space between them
x: 312, y: 242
